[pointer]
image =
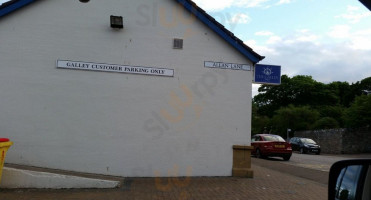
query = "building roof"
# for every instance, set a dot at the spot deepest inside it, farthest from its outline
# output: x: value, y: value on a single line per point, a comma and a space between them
x: 367, y: 3
x: 13, y: 5
x: 189, y: 5
x: 221, y: 30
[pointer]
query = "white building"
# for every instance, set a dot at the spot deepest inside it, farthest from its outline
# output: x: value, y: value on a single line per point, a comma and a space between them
x: 152, y: 108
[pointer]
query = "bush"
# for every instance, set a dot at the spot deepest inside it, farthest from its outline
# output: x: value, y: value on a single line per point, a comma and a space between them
x: 295, y: 118
x: 325, y: 123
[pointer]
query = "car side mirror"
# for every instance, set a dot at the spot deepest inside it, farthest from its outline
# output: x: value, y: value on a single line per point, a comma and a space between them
x: 350, y: 179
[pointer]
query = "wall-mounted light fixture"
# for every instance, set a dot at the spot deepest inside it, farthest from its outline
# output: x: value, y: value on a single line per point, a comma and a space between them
x: 117, y: 22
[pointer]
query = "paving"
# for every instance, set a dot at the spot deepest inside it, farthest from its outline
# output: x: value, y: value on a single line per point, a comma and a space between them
x: 266, y: 184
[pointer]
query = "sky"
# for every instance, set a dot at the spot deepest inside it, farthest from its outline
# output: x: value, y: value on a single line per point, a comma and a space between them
x: 329, y: 40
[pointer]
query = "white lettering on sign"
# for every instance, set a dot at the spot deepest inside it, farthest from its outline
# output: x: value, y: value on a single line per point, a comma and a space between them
x: 222, y: 65
x: 66, y: 64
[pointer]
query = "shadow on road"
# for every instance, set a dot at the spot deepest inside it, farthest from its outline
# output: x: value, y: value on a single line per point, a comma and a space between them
x: 279, y: 165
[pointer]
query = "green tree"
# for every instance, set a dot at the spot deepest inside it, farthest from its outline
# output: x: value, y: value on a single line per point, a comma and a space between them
x: 334, y: 112
x: 356, y: 89
x: 325, y: 123
x: 271, y: 98
x: 258, y: 122
x: 298, y: 91
x: 359, y: 113
x: 295, y: 118
x: 341, y: 90
x: 310, y: 92
x: 332, y: 102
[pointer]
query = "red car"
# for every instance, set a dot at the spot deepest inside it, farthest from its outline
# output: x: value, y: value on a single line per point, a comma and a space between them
x: 266, y: 145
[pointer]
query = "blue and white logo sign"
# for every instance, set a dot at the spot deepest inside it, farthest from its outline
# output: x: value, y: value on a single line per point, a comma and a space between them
x: 268, y: 74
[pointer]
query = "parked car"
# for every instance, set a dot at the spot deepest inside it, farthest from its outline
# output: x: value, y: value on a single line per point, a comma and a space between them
x: 305, y: 145
x: 268, y: 145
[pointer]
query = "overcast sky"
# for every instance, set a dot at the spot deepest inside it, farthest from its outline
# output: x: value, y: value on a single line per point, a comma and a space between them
x: 327, y: 39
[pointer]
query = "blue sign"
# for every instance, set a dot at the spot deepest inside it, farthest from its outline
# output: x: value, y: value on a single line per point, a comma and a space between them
x: 267, y: 74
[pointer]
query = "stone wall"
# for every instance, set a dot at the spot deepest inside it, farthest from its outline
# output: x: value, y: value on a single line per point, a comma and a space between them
x: 357, y: 141
x: 340, y: 141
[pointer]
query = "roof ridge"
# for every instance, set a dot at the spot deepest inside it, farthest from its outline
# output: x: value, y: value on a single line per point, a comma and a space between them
x: 13, y: 5
x: 233, y: 40
x: 7, y: 3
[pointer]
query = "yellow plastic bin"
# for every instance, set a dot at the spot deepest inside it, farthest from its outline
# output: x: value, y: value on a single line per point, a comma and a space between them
x: 4, y: 146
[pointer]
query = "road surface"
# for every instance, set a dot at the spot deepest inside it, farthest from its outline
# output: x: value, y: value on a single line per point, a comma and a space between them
x: 312, y: 167
x: 320, y: 162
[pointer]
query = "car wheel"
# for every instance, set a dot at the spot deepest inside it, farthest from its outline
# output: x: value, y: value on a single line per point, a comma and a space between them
x: 286, y: 158
x: 258, y: 153
x: 318, y: 153
x: 302, y: 151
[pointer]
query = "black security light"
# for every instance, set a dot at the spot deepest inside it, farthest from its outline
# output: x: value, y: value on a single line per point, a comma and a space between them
x: 84, y: 1
x: 117, y: 22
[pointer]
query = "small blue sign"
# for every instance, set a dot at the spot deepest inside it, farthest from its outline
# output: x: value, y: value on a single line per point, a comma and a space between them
x: 267, y: 74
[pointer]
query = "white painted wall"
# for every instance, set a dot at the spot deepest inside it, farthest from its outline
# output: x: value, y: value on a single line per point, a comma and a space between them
x: 111, y: 123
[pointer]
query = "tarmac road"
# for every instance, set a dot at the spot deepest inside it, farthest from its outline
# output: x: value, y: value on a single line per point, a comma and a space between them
x: 312, y: 167
x: 320, y: 162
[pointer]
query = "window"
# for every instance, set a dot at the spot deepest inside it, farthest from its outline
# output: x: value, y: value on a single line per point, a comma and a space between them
x: 308, y: 141
x: 255, y: 138
x: 274, y: 138
x: 347, y: 183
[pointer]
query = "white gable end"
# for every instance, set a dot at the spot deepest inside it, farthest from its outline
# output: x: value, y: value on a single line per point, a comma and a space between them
x: 120, y: 123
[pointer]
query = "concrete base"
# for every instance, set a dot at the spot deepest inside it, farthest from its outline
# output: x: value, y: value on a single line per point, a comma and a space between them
x: 248, y: 173
x: 18, y: 178
x: 242, y: 161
